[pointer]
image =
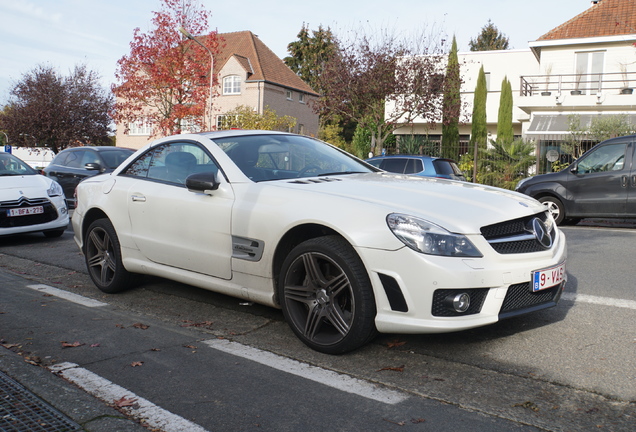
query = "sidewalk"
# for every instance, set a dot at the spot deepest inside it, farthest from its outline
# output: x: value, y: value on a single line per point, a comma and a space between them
x: 34, y: 399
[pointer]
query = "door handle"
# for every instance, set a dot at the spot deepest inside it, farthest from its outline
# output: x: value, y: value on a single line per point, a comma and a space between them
x: 624, y: 181
x: 138, y: 198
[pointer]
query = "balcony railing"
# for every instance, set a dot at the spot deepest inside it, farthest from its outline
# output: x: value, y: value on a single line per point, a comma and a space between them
x: 617, y: 82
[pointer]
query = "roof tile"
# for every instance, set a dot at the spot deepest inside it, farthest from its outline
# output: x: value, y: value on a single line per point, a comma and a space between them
x: 606, y: 18
x: 258, y: 60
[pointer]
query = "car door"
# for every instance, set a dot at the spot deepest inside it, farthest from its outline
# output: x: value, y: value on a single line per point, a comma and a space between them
x: 598, y: 184
x: 173, y: 226
x: 630, y: 181
x: 66, y: 171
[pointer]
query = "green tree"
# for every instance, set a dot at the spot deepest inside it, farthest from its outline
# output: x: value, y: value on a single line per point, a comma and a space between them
x: 479, y: 131
x: 489, y: 39
x: 244, y: 117
x: 505, y: 133
x: 361, y: 142
x: 50, y: 110
x: 504, y: 164
x: 309, y: 54
x: 451, y: 104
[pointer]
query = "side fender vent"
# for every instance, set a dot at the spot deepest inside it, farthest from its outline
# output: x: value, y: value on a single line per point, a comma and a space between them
x: 394, y: 293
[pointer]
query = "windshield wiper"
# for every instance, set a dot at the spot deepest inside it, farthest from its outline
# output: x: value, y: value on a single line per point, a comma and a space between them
x: 342, y: 173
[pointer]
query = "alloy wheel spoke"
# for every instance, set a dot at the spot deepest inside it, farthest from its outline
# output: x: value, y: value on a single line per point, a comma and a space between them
x: 312, y: 268
x: 337, y: 318
x: 303, y: 294
x: 314, y: 321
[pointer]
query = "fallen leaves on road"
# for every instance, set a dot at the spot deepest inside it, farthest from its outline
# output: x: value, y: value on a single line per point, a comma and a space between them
x: 190, y: 346
x: 528, y: 404
x: 394, y: 369
x: 140, y: 326
x: 71, y: 345
x: 188, y: 323
x: 125, y: 402
x: 137, y: 363
x: 395, y: 344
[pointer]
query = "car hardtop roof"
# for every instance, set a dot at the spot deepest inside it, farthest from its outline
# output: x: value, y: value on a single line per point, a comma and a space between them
x: 406, y: 156
x: 240, y: 132
x: 98, y: 148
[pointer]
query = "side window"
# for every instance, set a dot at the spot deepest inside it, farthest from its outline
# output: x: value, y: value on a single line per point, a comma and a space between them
x: 172, y: 163
x: 603, y: 159
x: 90, y: 156
x: 414, y: 166
x: 394, y: 165
x: 74, y: 159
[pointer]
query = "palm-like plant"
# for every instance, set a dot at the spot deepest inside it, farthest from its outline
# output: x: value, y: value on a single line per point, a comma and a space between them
x: 504, y: 164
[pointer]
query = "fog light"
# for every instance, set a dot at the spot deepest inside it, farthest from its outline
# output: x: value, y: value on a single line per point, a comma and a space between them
x: 458, y: 302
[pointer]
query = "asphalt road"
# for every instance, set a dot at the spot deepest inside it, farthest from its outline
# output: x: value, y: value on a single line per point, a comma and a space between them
x: 572, y: 367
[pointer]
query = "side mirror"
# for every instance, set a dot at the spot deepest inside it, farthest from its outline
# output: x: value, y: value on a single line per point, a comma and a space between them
x: 93, y: 166
x: 202, y: 182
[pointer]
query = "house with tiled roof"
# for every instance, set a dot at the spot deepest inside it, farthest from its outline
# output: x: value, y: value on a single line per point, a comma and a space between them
x: 585, y: 67
x: 248, y: 74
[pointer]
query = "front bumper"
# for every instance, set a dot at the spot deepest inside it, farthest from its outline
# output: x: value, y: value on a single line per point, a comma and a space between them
x: 504, y: 281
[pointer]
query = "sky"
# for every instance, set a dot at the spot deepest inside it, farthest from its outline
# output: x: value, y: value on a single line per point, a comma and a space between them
x: 65, y: 33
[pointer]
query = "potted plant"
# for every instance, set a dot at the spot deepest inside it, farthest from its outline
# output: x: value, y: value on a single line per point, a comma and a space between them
x: 577, y: 83
x: 548, y: 72
x: 626, y: 88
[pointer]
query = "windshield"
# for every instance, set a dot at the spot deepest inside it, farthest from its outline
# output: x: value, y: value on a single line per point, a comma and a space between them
x: 275, y: 157
x: 114, y: 158
x: 11, y: 165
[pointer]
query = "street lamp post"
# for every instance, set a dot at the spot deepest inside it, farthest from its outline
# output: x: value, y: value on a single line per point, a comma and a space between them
x: 189, y: 36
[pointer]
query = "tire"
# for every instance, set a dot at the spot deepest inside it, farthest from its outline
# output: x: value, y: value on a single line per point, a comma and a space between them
x: 102, y: 253
x: 326, y: 296
x: 54, y: 233
x: 555, y: 206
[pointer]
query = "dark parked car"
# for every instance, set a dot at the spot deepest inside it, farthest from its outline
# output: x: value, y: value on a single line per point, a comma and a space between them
x: 71, y: 166
x: 601, y: 183
x: 418, y: 165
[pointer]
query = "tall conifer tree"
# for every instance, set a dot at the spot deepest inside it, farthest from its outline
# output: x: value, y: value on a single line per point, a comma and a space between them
x: 479, y: 132
x: 451, y: 105
x: 504, y: 120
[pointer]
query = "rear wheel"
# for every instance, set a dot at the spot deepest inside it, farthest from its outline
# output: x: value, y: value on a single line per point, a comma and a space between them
x: 326, y: 296
x: 555, y: 206
x: 102, y: 253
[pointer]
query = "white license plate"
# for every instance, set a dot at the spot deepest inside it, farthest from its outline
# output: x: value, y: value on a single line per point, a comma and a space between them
x: 25, y: 211
x: 547, y: 278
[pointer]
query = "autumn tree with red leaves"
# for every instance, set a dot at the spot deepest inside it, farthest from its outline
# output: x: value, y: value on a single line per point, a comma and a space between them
x: 365, y: 75
x: 165, y: 80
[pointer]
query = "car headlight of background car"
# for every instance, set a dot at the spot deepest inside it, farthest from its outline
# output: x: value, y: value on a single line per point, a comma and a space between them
x: 55, y: 190
x: 428, y: 238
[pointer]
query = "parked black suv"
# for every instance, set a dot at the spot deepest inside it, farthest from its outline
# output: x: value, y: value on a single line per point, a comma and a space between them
x: 601, y: 183
x: 73, y: 165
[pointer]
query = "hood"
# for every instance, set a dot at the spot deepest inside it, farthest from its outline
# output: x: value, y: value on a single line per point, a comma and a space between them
x: 30, y: 186
x: 457, y: 206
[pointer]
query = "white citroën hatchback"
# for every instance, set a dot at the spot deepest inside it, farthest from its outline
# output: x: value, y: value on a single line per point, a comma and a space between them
x: 344, y: 249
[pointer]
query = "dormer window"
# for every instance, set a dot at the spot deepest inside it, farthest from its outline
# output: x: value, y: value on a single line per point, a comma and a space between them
x: 232, y: 85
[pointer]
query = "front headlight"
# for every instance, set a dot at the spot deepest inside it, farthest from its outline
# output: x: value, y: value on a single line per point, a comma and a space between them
x: 428, y: 238
x: 55, y: 189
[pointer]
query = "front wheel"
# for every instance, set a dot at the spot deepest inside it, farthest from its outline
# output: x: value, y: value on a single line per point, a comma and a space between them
x: 102, y: 253
x: 326, y: 296
x: 555, y: 206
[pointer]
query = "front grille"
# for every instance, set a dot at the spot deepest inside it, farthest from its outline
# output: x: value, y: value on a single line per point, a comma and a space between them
x: 516, y: 236
x: 477, y: 297
x: 50, y: 212
x: 520, y: 297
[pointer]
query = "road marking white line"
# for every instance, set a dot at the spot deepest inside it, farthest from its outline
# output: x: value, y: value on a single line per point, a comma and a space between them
x: 75, y: 298
x: 156, y: 417
x: 605, y: 301
x: 313, y: 373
